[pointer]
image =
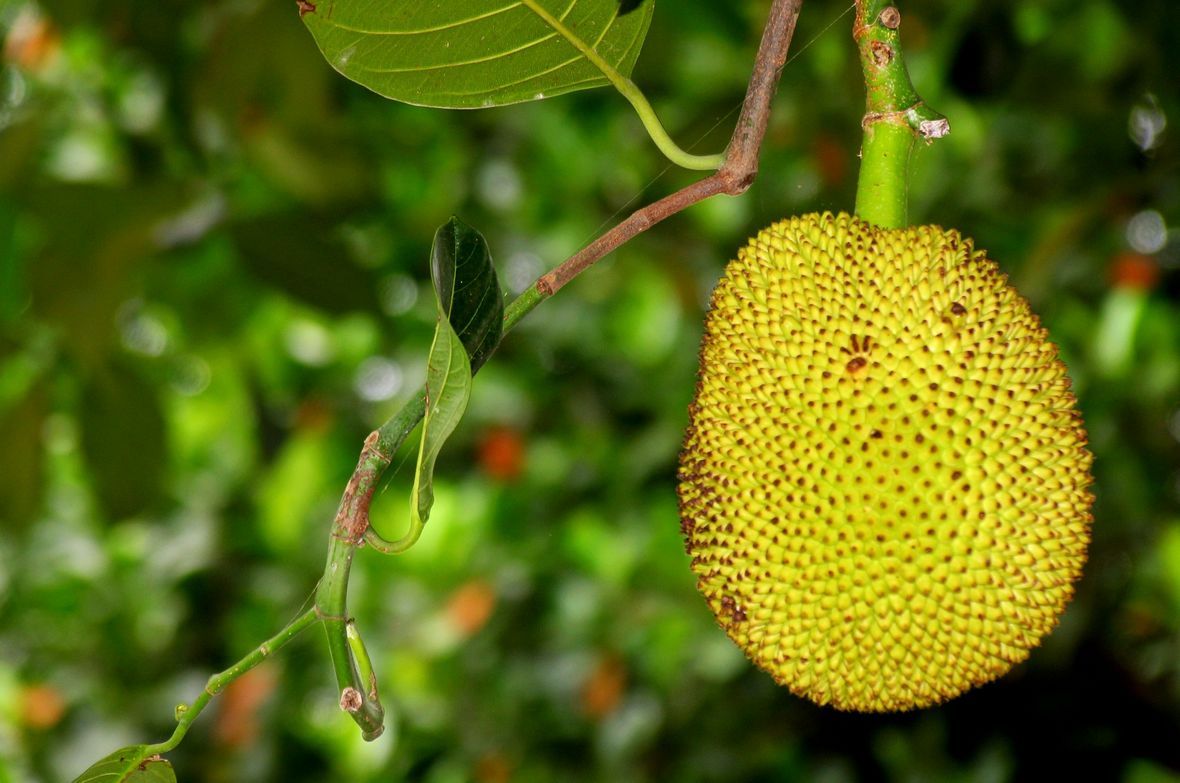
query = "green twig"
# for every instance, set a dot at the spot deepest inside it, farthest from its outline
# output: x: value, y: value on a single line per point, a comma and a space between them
x: 632, y: 93
x: 894, y: 116
x: 187, y: 713
x: 364, y: 665
x: 358, y: 696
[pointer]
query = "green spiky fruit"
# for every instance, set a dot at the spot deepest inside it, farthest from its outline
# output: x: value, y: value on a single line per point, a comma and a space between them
x: 884, y: 484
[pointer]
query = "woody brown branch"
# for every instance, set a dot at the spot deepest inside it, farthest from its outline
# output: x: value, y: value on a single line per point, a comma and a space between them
x: 352, y: 517
x: 736, y: 174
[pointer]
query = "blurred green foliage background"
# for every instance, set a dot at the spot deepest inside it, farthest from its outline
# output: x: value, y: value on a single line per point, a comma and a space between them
x: 213, y: 284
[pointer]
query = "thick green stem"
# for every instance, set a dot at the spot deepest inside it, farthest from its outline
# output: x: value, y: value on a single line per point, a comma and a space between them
x: 187, y: 713
x: 358, y: 692
x: 894, y: 116
x: 884, y: 175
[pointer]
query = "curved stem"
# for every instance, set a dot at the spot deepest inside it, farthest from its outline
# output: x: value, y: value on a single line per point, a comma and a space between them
x: 331, y: 605
x: 632, y: 93
x: 651, y: 123
x: 358, y: 694
x: 894, y: 116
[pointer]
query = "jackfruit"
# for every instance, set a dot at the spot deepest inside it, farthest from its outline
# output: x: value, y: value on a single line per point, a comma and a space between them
x: 884, y: 486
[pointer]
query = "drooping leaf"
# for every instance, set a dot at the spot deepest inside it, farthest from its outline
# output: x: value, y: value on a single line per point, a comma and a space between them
x: 467, y: 288
x: 448, y: 388
x: 129, y: 765
x: 464, y: 54
x: 470, y: 322
x: 123, y: 438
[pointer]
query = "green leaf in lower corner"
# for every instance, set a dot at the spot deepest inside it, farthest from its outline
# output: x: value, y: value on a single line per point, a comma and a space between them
x: 466, y: 54
x: 129, y: 765
x: 467, y: 288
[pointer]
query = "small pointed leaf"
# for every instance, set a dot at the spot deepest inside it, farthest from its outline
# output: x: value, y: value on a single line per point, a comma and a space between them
x: 467, y: 288
x: 464, y: 54
x: 132, y: 764
x: 470, y: 324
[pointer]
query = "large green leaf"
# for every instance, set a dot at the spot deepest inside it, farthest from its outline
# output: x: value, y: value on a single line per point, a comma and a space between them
x: 129, y: 765
x: 466, y: 54
x: 467, y: 288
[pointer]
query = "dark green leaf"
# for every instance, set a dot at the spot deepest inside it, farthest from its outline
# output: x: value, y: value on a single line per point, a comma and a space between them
x: 467, y: 288
x: 123, y: 439
x: 464, y: 54
x: 303, y: 255
x: 95, y: 238
x: 129, y: 765
x: 22, y: 459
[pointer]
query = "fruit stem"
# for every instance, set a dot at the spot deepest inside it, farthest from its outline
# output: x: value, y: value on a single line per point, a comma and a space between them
x: 895, y: 116
x: 883, y: 185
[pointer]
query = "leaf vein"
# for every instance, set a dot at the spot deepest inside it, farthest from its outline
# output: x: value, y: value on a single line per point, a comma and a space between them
x: 422, y: 30
x: 460, y: 63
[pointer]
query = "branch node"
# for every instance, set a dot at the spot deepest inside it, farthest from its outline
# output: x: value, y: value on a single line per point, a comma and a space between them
x: 934, y: 129
x: 351, y: 700
x: 882, y: 53
x: 322, y: 615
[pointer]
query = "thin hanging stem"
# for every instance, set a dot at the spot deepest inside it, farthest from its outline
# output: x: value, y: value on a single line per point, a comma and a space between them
x: 634, y: 95
x: 187, y: 713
